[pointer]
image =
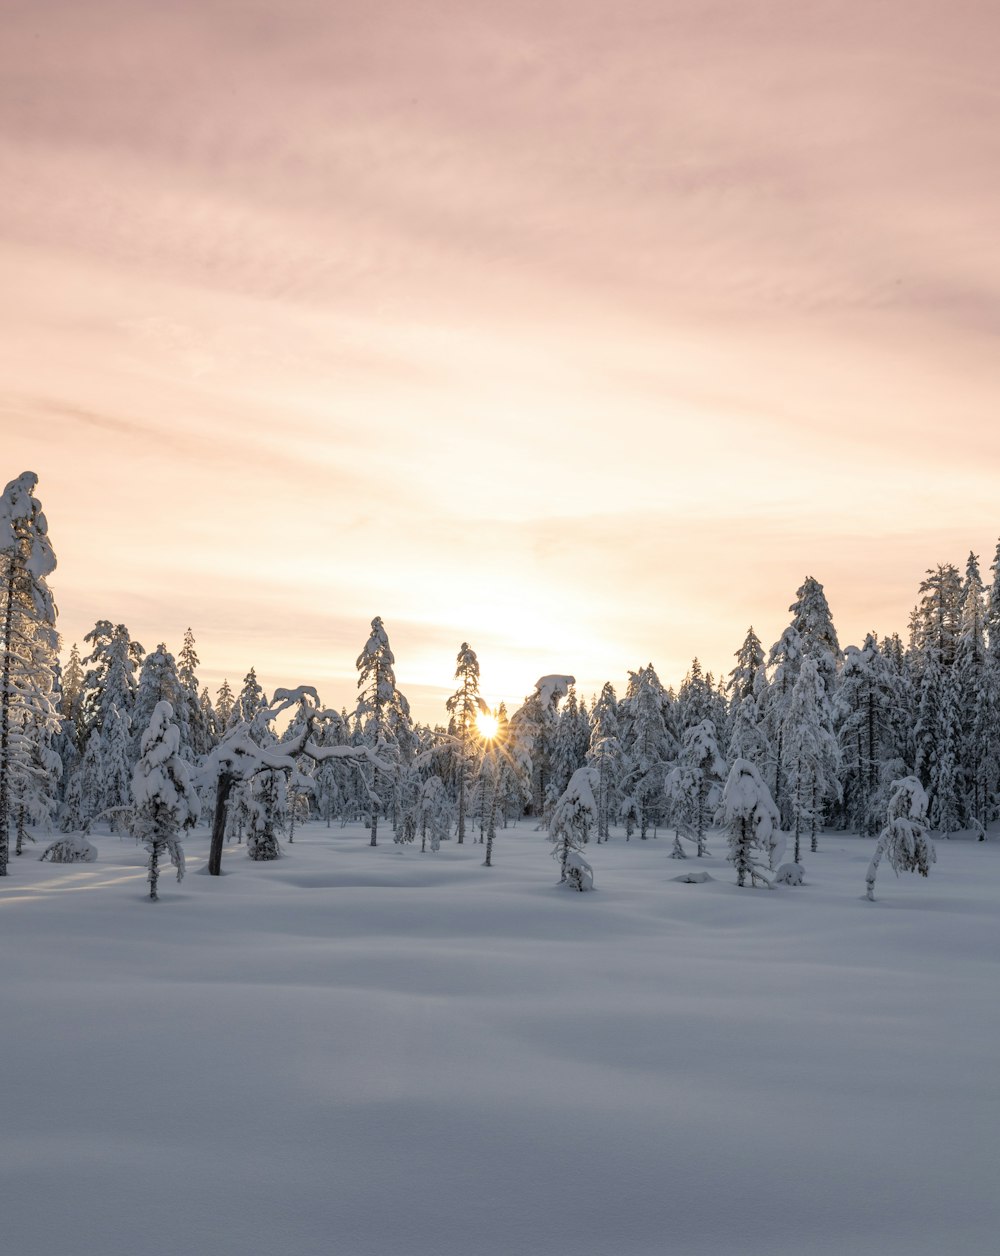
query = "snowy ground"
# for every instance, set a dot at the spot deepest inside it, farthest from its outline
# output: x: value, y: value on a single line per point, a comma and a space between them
x: 371, y: 1052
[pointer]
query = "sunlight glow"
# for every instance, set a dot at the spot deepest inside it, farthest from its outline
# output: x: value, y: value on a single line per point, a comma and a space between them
x: 487, y: 725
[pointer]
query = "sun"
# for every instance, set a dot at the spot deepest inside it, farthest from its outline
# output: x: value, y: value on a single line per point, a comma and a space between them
x: 487, y: 725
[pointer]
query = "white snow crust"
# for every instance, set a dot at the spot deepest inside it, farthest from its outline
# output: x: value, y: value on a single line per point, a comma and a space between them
x: 378, y: 1052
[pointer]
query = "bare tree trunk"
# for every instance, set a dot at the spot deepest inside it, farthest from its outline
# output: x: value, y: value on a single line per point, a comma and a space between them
x: 223, y: 787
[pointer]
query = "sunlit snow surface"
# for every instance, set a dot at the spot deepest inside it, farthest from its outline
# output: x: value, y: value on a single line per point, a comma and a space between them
x: 377, y: 1052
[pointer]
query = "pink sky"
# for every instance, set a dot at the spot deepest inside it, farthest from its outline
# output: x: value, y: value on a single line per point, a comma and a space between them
x: 582, y: 332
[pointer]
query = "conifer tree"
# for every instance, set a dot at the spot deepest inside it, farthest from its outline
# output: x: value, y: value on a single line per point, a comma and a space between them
x: 742, y: 679
x: 648, y: 746
x: 603, y: 755
x: 810, y: 757
x: 27, y: 630
x: 751, y: 820
x: 694, y: 785
x: 574, y: 818
x: 464, y: 706
x: 903, y: 841
x: 165, y: 799
x: 159, y: 682
x: 110, y: 680
x: 384, y: 711
x: 224, y: 704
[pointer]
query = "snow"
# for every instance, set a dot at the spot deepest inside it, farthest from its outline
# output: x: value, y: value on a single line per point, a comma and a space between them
x: 553, y: 688
x: 378, y: 1052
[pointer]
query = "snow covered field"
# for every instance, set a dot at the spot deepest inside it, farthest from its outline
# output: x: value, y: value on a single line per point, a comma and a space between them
x: 370, y: 1052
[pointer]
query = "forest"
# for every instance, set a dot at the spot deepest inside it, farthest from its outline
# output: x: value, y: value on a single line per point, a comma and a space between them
x: 800, y: 737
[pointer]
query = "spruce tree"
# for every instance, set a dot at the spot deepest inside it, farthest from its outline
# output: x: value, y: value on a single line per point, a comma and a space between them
x: 165, y: 800
x: 464, y: 706
x: 27, y: 630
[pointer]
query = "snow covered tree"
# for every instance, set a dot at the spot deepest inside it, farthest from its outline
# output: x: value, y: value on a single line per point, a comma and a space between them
x: 694, y: 785
x: 903, y: 841
x: 165, y: 800
x: 812, y: 620
x: 603, y: 755
x: 198, y: 718
x: 648, y: 746
x: 159, y: 682
x: 249, y: 704
x: 72, y: 687
x: 751, y: 821
x: 385, y: 713
x: 809, y: 754
x: 434, y: 813
x: 464, y: 706
x: 224, y: 703
x: 742, y: 679
x: 114, y: 768
x: 574, y: 818
x: 785, y: 661
x: 935, y: 624
x: 28, y: 639
x: 110, y: 680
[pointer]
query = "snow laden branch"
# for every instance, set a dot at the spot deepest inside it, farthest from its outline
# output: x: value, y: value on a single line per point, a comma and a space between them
x: 239, y: 757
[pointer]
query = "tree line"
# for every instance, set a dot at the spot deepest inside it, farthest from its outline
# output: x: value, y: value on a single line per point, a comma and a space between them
x: 829, y: 732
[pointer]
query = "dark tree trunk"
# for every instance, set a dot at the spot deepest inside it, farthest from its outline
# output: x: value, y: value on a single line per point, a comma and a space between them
x: 223, y: 787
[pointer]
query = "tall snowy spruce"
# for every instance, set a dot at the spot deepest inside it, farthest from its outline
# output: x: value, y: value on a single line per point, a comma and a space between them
x: 694, y: 786
x: 383, y: 711
x: 464, y: 706
x: 810, y: 758
x: 165, y: 799
x: 27, y: 632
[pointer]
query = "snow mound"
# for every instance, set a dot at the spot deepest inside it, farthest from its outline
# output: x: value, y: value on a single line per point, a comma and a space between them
x: 694, y: 878
x: 789, y: 874
x: 71, y: 849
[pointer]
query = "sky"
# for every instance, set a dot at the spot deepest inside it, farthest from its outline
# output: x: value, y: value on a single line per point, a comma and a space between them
x: 581, y: 332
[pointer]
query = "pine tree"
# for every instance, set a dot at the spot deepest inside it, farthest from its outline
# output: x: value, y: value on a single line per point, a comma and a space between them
x: 742, y: 679
x: 751, y: 820
x: 27, y: 630
x: 574, y: 818
x: 165, y: 799
x: 810, y: 757
x: 865, y: 703
x: 110, y: 680
x: 72, y: 687
x: 385, y: 712
x: 648, y: 746
x: 464, y: 706
x: 903, y: 841
x: 603, y: 755
x: 224, y: 704
x: 694, y: 785
x: 159, y: 682
x: 812, y: 620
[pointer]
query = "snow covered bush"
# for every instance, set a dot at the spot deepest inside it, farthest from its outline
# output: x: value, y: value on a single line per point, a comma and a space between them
x: 74, y: 848
x: 903, y: 841
x: 573, y: 820
x: 751, y: 821
x: 165, y: 799
x: 789, y: 874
